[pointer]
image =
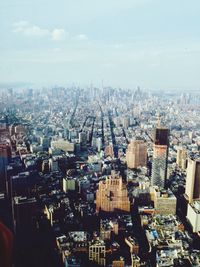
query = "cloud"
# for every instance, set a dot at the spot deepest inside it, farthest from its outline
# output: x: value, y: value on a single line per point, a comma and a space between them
x: 28, y: 29
x: 58, y: 34
x: 24, y: 27
x: 81, y: 37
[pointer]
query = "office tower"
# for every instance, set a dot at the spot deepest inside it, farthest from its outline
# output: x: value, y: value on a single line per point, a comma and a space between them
x: 109, y: 151
x: 24, y: 212
x: 83, y: 140
x: 5, y: 157
x: 97, y: 252
x: 191, y: 135
x: 181, y: 157
x: 136, y: 154
x: 45, y: 166
x: 99, y: 144
x: 45, y: 142
x: 23, y: 183
x: 192, y: 189
x: 69, y: 184
x: 160, y: 156
x: 193, y: 215
x: 126, y: 122
x: 112, y: 194
x: 53, y: 164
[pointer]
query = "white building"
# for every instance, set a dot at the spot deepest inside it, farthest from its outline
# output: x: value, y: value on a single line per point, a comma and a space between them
x: 53, y: 164
x: 193, y: 215
x: 69, y: 184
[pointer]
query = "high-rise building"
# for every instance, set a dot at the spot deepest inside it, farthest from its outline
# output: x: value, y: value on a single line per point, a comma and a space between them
x: 69, y: 184
x: 109, y: 151
x: 99, y: 144
x: 45, y: 166
x: 181, y: 157
x: 83, y: 140
x: 192, y: 189
x: 45, y: 142
x: 24, y: 211
x: 126, y: 122
x: 112, y: 194
x: 193, y: 215
x: 5, y: 157
x: 97, y: 252
x: 53, y: 164
x: 136, y: 154
x: 160, y: 156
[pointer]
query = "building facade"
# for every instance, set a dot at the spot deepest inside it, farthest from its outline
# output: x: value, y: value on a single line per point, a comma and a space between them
x: 5, y: 157
x: 136, y: 154
x: 160, y: 157
x: 97, y: 252
x: 181, y: 157
x: 112, y: 194
x: 192, y: 189
x: 164, y: 201
x: 193, y: 215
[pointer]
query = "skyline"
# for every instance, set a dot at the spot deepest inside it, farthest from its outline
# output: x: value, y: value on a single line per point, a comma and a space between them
x: 124, y: 43
x: 99, y: 177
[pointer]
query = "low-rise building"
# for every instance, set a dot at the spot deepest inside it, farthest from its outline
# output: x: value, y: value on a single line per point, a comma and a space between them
x: 97, y: 251
x: 164, y: 201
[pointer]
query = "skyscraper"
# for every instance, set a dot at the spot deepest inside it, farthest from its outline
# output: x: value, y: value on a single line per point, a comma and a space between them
x: 160, y: 156
x: 5, y: 156
x: 181, y: 157
x: 109, y: 151
x: 112, y: 194
x: 192, y: 189
x: 136, y: 154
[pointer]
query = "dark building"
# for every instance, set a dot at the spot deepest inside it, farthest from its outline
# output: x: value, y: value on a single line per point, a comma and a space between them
x: 160, y: 156
x: 24, y: 210
x: 5, y: 157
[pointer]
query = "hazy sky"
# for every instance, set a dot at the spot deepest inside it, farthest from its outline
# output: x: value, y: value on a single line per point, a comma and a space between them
x: 151, y: 43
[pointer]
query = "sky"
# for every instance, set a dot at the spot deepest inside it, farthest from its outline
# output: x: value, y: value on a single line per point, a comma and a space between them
x: 153, y: 44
